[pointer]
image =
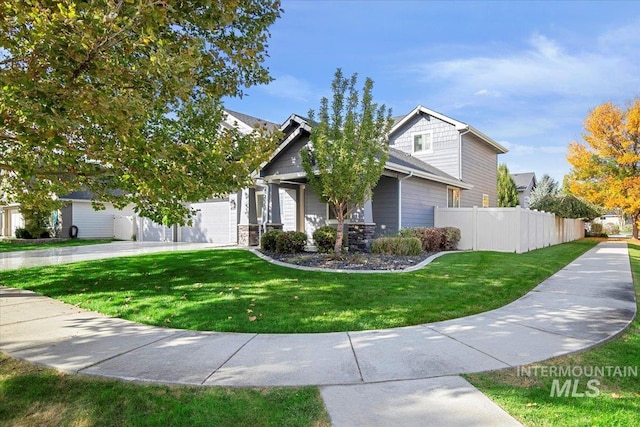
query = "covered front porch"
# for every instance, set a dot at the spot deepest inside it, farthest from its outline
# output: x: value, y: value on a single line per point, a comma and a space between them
x: 290, y: 204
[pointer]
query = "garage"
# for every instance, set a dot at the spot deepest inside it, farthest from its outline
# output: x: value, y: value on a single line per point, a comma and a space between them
x: 215, y: 222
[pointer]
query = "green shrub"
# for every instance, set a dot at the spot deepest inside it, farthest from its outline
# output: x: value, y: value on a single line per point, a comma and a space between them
x: 408, y: 232
x: 397, y: 246
x: 268, y: 240
x: 451, y: 239
x: 22, y: 233
x: 596, y: 228
x: 325, y: 238
x: 290, y: 242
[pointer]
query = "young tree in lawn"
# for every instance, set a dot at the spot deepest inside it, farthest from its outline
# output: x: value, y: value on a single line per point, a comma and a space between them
x: 348, y: 148
x: 606, y: 169
x: 507, y: 190
x: 123, y: 98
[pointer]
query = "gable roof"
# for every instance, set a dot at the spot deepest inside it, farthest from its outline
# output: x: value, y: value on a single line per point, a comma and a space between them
x: 250, y: 122
x: 523, y: 180
x: 398, y: 160
x: 460, y: 126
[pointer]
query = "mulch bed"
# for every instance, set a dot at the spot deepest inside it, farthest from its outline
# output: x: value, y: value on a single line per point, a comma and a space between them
x: 353, y: 261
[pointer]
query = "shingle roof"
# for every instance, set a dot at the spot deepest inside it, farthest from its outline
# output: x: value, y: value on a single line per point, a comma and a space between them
x: 403, y: 159
x: 252, y: 121
x: 522, y: 180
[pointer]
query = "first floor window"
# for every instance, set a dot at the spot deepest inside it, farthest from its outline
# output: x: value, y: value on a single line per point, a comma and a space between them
x: 453, y: 198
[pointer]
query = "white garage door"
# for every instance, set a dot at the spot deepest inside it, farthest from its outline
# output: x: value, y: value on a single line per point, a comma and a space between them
x: 215, y: 222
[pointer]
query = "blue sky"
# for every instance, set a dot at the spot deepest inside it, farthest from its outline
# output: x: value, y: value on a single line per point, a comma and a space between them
x: 524, y: 73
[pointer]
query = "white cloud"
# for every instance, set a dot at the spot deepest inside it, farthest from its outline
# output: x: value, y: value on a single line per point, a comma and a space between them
x: 543, y: 68
x: 523, y: 149
x: 289, y: 87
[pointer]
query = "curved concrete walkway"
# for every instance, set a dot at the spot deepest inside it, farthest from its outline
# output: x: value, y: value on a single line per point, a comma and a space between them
x: 588, y: 302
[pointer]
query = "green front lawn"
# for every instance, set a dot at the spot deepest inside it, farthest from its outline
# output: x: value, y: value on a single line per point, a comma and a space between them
x: 235, y: 291
x: 7, y: 246
x: 34, y: 396
x: 618, y: 404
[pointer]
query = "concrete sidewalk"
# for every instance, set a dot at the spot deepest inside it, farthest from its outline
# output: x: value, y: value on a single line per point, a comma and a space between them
x: 366, y: 377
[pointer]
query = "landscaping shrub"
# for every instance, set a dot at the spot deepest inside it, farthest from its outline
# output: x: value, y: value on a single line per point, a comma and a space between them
x: 325, y: 238
x: 431, y: 238
x: 398, y: 246
x: 290, y: 242
x: 268, y: 240
x: 596, y: 228
x: 451, y: 239
x: 22, y: 233
x: 610, y: 228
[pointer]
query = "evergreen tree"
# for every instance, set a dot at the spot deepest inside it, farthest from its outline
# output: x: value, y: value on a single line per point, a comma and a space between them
x: 507, y: 190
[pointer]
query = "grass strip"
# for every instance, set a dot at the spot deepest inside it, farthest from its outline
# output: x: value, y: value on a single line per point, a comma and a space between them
x: 618, y: 395
x: 7, y: 246
x: 34, y: 396
x: 235, y: 291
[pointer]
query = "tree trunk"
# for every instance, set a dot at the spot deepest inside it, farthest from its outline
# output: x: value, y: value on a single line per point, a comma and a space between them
x: 635, y: 219
x: 337, y: 249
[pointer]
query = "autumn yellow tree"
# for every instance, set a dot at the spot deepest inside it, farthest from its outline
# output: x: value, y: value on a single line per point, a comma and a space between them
x: 606, y: 168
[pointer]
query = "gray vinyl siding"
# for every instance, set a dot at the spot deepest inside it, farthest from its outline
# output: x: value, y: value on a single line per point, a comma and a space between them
x: 479, y: 168
x: 385, y: 206
x: 315, y: 212
x: 445, y: 142
x: 419, y: 197
x: 287, y: 161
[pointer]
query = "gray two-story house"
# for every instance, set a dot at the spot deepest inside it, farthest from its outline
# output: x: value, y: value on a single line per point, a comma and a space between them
x: 433, y: 161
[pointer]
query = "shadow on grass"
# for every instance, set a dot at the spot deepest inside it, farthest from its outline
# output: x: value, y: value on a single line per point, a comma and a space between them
x: 235, y: 291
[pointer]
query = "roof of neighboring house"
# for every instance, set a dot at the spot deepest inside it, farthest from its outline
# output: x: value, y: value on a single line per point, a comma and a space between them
x: 460, y: 126
x: 523, y: 180
x: 252, y: 121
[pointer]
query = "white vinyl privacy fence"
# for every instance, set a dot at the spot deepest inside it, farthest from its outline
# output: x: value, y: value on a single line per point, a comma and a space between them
x: 508, y: 229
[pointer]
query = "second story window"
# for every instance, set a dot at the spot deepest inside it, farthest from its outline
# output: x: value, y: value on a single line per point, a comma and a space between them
x: 423, y: 142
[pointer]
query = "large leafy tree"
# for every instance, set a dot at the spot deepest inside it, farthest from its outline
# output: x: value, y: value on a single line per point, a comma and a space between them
x: 348, y: 148
x: 606, y: 168
x: 122, y: 98
x: 507, y: 190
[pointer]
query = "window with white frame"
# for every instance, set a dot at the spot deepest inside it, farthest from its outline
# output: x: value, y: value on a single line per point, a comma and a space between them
x: 453, y: 197
x: 259, y: 205
x: 423, y: 142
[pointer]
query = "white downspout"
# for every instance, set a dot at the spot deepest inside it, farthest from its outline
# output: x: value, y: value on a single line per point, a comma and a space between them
x: 400, y: 198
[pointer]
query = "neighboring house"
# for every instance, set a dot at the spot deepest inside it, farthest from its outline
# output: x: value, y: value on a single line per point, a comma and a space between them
x: 215, y: 222
x: 612, y: 221
x: 525, y: 182
x: 10, y: 219
x: 454, y: 147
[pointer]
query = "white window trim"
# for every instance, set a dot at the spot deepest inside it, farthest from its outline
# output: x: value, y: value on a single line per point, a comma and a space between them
x: 459, y: 196
x: 413, y: 142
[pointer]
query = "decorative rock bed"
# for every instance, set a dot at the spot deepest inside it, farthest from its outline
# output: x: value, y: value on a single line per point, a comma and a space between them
x: 351, y: 261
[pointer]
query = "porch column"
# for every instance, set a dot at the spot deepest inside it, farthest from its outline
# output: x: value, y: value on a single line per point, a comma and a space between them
x: 248, y: 228
x: 361, y: 233
x: 274, y: 219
